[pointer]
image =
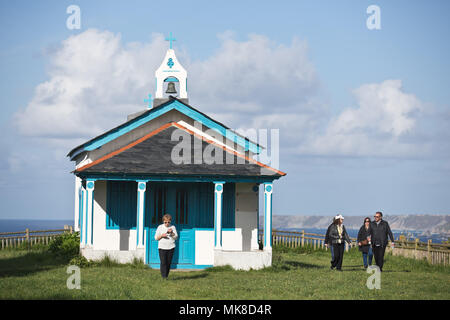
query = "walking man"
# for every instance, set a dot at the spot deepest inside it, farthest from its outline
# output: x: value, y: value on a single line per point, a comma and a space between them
x: 379, y: 233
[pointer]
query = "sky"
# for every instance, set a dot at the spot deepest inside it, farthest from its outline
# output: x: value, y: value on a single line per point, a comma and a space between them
x: 362, y: 113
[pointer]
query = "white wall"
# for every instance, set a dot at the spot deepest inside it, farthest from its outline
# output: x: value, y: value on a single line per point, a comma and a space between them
x: 204, y: 247
x: 243, y: 238
x: 247, y: 215
x: 77, y: 204
x: 112, y: 239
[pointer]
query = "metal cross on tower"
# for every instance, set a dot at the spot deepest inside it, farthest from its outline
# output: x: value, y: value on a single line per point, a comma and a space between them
x: 170, y: 39
x: 149, y: 101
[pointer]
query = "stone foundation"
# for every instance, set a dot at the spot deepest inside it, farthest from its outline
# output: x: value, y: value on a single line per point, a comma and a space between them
x: 243, y: 260
x: 121, y: 256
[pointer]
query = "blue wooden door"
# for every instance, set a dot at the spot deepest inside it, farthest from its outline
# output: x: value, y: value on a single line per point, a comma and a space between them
x: 175, y: 199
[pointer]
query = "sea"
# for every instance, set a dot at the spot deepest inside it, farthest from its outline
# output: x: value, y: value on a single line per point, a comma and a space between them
x: 409, y: 234
x: 16, y: 225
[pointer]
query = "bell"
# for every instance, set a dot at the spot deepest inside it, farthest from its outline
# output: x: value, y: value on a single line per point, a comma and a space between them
x: 171, y: 88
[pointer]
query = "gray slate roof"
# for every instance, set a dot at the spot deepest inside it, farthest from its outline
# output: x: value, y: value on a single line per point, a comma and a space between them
x: 153, y: 156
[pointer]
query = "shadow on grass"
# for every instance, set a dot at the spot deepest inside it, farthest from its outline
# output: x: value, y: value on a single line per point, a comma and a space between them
x: 302, y: 265
x: 31, y: 262
x: 190, y: 277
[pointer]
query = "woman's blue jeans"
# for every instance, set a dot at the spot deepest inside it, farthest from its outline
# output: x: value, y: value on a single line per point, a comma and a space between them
x: 370, y: 254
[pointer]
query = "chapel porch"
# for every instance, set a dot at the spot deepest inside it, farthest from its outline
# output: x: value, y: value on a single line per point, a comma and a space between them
x: 217, y: 221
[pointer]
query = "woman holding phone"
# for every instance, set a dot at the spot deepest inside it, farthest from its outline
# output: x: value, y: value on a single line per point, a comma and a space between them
x: 166, y: 234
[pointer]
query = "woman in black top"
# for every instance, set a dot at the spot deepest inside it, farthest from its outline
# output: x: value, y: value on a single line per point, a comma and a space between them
x: 364, y: 242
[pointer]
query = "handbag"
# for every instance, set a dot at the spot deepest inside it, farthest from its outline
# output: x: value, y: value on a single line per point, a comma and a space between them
x: 364, y: 242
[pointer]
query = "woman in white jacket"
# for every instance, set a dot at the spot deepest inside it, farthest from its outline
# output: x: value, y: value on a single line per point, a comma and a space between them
x: 166, y: 234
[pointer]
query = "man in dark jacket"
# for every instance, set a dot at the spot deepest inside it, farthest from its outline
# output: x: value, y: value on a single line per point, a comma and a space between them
x: 379, y: 233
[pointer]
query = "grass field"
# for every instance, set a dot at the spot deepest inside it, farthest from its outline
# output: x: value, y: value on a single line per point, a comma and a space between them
x: 295, y: 274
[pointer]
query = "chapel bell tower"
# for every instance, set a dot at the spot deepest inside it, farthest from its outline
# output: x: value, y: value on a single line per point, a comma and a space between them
x: 171, y: 78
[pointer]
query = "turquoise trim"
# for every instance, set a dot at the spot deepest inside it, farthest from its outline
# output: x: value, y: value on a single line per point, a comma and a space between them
x: 215, y: 219
x: 218, y: 188
x: 120, y: 205
x: 149, y: 101
x: 183, y: 266
x: 86, y: 217
x: 170, y: 63
x: 171, y: 79
x: 90, y: 183
x: 270, y: 227
x: 143, y: 219
x: 119, y: 228
x: 138, y: 214
x: 174, y: 104
x: 81, y: 215
x: 265, y: 218
x: 268, y: 212
x: 212, y: 229
x: 170, y: 39
x: 113, y: 177
x: 92, y: 217
x: 257, y: 218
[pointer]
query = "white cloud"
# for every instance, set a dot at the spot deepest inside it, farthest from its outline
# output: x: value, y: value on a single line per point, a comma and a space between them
x: 254, y: 76
x: 95, y: 80
x: 377, y: 127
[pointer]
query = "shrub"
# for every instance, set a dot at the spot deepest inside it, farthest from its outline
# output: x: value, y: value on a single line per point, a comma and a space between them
x: 66, y: 245
x: 80, y: 261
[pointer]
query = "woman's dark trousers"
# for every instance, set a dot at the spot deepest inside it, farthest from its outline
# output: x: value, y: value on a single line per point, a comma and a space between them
x: 338, y: 250
x: 165, y: 256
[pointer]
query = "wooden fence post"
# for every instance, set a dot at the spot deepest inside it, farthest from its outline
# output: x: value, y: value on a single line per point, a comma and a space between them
x: 27, y: 235
x: 416, y: 246
x: 303, y: 238
x: 429, y: 250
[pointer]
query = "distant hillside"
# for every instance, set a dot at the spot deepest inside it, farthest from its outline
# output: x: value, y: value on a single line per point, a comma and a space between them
x: 424, y: 223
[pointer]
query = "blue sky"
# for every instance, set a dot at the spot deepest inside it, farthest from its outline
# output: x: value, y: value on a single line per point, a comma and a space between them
x: 363, y: 114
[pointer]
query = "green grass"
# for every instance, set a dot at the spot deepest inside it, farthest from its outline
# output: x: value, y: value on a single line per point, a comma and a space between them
x: 295, y: 274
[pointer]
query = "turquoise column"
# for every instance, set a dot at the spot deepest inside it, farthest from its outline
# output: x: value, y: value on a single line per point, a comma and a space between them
x: 268, y: 189
x: 218, y: 192
x: 140, y: 237
x: 90, y: 184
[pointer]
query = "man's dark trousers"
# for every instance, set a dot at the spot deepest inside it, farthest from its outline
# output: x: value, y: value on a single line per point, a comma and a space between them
x: 378, y: 254
x: 338, y: 250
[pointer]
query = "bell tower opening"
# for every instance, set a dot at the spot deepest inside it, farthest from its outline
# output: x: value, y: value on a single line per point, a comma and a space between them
x: 171, y: 87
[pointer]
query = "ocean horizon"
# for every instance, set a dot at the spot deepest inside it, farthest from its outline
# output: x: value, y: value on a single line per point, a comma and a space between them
x: 17, y: 225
